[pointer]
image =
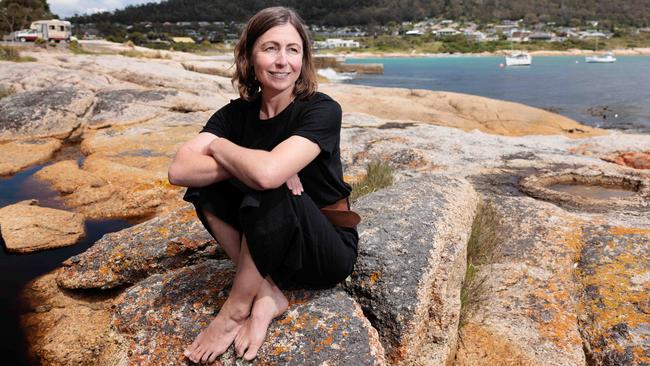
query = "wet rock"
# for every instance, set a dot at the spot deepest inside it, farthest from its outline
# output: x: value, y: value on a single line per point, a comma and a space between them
x: 529, y: 305
x: 632, y: 159
x: 50, y: 112
x: 175, y: 240
x: 65, y: 328
x: 66, y: 177
x: 17, y: 155
x: 27, y: 228
x: 128, y: 106
x: 412, y: 258
x: 161, y: 315
x: 614, y: 270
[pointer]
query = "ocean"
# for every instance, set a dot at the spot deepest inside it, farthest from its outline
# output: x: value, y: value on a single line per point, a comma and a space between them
x: 613, y: 96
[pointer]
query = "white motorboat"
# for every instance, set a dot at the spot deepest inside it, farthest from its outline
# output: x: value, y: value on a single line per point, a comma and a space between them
x: 604, y: 58
x: 519, y: 59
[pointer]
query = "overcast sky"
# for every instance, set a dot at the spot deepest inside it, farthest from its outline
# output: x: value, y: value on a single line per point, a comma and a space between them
x: 66, y: 8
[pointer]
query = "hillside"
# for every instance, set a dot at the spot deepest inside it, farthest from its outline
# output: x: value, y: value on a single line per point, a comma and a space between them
x: 349, y: 12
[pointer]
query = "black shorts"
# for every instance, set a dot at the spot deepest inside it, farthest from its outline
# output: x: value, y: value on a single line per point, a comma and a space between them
x: 288, y: 237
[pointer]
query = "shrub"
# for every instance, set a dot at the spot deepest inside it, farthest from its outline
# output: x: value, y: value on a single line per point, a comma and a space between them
x: 378, y: 175
x: 5, y: 92
x: 9, y: 53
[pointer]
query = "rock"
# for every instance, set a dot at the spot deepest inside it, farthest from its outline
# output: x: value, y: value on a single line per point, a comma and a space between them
x: 223, y: 68
x: 66, y: 177
x: 17, y: 155
x: 632, y: 159
x: 412, y: 258
x: 65, y: 328
x: 27, y: 228
x: 614, y: 271
x: 529, y: 306
x: 161, y: 315
x: 175, y: 240
x: 128, y: 106
x: 129, y: 192
x: 50, y: 112
x: 463, y: 111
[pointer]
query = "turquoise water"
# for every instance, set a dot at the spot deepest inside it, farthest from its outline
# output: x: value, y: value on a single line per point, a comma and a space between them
x: 615, y: 95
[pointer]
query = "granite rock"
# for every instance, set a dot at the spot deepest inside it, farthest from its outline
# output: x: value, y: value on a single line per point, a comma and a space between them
x: 50, y: 112
x: 171, y: 241
x: 128, y: 106
x: 412, y: 258
x: 26, y: 228
x: 17, y: 155
x: 161, y: 315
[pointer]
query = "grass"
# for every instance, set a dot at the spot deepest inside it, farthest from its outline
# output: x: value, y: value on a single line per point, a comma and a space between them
x: 378, y: 175
x: 483, y: 243
x: 5, y: 92
x: 77, y: 49
x: 8, y: 53
x: 140, y: 54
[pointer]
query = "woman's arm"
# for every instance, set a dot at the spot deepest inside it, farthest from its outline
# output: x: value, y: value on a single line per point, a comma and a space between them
x: 194, y: 166
x: 261, y: 169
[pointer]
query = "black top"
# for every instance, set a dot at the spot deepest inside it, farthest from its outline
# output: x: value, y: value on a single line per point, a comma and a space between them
x: 317, y: 119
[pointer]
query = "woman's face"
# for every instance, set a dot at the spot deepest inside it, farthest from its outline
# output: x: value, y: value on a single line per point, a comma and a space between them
x: 277, y: 59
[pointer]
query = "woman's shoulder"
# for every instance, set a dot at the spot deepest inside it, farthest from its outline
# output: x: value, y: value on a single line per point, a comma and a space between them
x: 318, y: 99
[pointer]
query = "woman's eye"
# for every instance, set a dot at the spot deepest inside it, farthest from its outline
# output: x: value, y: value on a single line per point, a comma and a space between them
x: 270, y: 48
x: 294, y: 50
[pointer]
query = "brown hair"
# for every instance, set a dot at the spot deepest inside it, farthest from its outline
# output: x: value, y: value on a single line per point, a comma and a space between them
x: 244, y: 78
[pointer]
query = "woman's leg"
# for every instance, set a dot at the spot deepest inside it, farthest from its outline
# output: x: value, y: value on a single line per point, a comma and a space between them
x: 221, y: 332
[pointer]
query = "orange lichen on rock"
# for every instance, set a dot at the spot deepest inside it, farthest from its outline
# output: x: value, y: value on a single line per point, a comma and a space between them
x: 482, y: 346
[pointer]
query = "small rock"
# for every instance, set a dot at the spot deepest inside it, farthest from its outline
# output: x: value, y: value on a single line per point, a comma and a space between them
x: 17, y: 155
x: 26, y: 228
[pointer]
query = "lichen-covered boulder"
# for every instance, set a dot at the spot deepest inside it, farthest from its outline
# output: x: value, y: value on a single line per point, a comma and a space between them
x: 17, y: 155
x: 614, y: 312
x: 412, y: 258
x: 160, y: 316
x: 26, y: 227
x: 530, y: 301
x: 128, y: 106
x: 175, y: 240
x: 50, y: 112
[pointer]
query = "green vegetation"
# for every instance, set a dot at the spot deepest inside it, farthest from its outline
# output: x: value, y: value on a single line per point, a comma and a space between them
x: 141, y: 54
x: 9, y: 53
x: 483, y: 243
x: 77, y: 49
x: 18, y: 14
x: 378, y: 175
x: 5, y: 92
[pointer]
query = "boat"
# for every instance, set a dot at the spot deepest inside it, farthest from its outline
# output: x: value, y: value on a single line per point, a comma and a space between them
x: 519, y: 58
x: 604, y: 58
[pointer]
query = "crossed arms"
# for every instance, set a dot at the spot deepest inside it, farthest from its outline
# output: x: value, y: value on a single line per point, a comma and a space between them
x: 208, y: 159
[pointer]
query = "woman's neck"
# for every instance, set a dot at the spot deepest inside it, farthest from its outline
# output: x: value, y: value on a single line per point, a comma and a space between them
x: 272, y: 105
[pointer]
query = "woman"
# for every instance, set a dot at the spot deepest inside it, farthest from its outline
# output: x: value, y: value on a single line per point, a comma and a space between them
x: 265, y: 177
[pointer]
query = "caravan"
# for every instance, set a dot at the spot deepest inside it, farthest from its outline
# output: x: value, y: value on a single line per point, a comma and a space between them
x: 48, y: 30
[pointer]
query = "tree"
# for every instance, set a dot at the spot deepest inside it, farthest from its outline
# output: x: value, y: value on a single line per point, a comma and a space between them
x: 18, y: 14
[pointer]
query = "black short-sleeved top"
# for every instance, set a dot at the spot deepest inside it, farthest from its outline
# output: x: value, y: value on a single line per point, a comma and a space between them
x: 317, y: 118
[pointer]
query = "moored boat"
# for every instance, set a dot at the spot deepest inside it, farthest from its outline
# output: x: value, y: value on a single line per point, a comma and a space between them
x: 519, y: 59
x: 604, y: 58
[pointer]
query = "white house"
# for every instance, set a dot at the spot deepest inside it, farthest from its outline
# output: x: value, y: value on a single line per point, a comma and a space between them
x: 445, y: 32
x: 336, y: 43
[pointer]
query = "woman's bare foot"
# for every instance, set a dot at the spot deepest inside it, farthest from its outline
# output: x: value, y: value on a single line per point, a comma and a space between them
x: 268, y: 305
x: 218, y: 336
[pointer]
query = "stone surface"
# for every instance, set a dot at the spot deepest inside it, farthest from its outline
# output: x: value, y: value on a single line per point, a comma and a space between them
x: 530, y: 304
x: 26, y: 228
x: 632, y: 159
x: 161, y: 315
x: 17, y: 155
x: 412, y: 258
x: 66, y: 177
x: 455, y: 110
x: 50, y: 112
x: 614, y: 313
x: 72, y: 329
x: 128, y: 106
x: 175, y: 240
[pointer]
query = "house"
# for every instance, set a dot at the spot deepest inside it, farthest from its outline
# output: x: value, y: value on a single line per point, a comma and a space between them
x: 592, y: 35
x: 446, y: 32
x: 540, y: 36
x: 414, y: 32
x: 336, y: 43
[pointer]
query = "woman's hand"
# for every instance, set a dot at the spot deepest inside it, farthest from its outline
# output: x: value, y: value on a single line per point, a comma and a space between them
x: 294, y: 185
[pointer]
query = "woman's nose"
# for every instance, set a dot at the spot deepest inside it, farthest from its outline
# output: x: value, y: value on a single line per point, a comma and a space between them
x: 281, y: 57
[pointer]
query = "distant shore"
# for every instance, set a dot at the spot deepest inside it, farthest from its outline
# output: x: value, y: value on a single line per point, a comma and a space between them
x: 645, y: 51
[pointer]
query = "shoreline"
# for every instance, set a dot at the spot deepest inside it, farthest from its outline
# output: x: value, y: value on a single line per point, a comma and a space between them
x: 644, y: 51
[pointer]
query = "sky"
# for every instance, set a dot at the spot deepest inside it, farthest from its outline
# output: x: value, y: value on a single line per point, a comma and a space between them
x: 66, y: 8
